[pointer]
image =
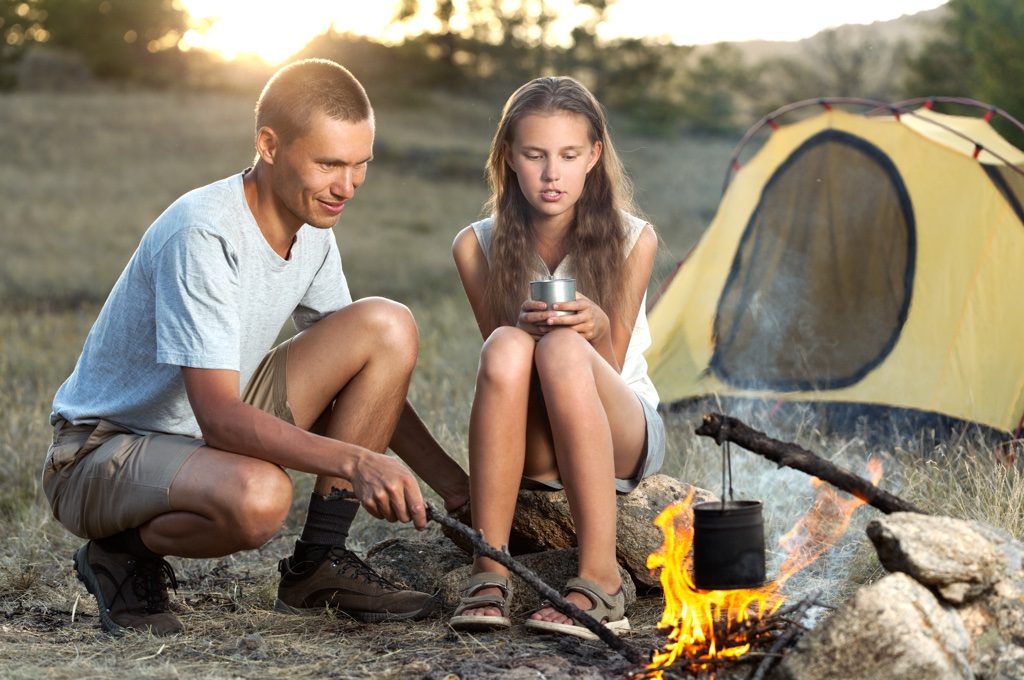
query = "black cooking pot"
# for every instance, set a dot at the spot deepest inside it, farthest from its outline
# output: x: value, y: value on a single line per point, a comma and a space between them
x: 728, y: 545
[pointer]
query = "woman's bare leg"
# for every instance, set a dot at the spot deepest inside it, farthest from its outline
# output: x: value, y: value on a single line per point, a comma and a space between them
x: 598, y: 427
x: 497, y: 441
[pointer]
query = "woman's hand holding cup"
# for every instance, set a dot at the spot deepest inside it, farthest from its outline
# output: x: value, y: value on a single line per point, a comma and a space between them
x: 582, y: 316
x: 535, y: 313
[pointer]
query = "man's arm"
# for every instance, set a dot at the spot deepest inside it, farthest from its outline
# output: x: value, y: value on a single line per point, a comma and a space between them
x: 383, y: 485
x: 414, y: 444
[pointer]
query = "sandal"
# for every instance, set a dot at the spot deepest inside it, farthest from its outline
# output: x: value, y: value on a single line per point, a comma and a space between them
x: 470, y: 600
x: 608, y: 609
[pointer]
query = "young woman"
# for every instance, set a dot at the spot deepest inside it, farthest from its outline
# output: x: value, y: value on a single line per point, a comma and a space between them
x: 561, y: 400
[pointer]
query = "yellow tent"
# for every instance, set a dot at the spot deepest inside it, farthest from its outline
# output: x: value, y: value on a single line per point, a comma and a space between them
x: 869, y: 259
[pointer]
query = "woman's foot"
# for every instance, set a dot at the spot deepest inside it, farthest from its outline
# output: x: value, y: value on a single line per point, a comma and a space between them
x: 607, y: 608
x: 484, y: 603
x: 549, y: 613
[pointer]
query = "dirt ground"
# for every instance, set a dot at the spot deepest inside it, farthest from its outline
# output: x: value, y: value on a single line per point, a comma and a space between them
x: 233, y: 632
x: 49, y: 628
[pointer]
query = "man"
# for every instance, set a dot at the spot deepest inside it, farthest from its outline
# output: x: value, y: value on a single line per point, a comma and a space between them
x: 172, y: 434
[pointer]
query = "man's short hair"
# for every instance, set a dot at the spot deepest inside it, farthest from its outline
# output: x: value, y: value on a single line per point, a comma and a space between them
x: 299, y: 90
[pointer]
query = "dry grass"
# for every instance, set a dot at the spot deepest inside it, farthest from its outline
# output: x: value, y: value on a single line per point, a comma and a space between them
x: 81, y: 177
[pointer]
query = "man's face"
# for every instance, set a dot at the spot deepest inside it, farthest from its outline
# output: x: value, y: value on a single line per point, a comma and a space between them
x: 316, y: 173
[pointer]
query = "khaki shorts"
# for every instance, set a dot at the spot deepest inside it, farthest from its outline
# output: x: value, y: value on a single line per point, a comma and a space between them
x: 102, y: 479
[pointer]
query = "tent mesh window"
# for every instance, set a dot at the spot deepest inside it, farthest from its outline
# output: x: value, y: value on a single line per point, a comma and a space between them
x: 1010, y: 183
x: 821, y: 282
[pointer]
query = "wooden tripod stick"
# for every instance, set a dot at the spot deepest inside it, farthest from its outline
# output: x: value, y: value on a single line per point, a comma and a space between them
x: 726, y: 428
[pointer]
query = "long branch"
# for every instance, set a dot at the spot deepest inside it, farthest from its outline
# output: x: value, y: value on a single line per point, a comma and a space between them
x: 726, y: 428
x: 482, y: 547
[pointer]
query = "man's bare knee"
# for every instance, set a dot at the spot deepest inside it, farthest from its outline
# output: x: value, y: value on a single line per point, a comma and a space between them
x: 263, y: 497
x: 391, y: 325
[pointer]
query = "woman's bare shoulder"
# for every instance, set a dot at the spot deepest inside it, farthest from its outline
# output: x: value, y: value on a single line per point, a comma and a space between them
x: 466, y: 242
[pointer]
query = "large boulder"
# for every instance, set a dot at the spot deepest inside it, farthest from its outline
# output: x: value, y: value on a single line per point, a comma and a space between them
x: 553, y: 567
x: 419, y: 564
x: 995, y: 623
x: 894, y: 628
x: 995, y: 620
x: 543, y: 522
x: 1010, y: 548
x: 637, y: 536
x: 947, y: 554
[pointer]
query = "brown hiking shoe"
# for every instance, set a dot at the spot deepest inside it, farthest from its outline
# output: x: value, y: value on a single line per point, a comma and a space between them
x: 131, y: 593
x: 343, y: 582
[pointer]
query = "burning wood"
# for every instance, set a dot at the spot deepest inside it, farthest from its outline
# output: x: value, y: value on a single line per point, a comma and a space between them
x: 711, y: 629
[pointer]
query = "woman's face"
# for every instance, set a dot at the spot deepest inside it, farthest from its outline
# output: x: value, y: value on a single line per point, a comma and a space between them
x: 551, y: 155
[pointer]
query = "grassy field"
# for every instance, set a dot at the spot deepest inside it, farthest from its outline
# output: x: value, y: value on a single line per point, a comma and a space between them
x: 82, y: 176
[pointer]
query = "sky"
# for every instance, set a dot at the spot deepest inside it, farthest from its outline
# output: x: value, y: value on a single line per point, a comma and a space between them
x: 233, y: 28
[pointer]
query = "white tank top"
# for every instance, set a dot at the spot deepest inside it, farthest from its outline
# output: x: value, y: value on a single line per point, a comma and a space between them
x: 634, y: 368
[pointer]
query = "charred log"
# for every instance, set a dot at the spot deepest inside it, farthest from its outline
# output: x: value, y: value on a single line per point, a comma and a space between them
x: 770, y: 640
x: 785, y: 640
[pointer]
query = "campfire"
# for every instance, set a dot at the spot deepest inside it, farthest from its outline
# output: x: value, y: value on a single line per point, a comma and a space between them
x: 709, y: 630
x: 706, y: 629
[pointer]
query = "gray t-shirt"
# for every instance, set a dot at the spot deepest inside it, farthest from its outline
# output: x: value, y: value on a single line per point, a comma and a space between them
x: 204, y: 289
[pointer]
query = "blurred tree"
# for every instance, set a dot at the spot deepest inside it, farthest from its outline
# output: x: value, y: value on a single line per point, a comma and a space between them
x: 445, y: 38
x: 836, y: 66
x: 504, y: 42
x: 716, y: 90
x: 585, y: 58
x: 22, y: 22
x: 641, y: 79
x: 402, y: 73
x: 979, y: 53
x: 120, y: 38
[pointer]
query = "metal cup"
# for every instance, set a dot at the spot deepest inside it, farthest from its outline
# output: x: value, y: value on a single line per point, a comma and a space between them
x: 552, y: 291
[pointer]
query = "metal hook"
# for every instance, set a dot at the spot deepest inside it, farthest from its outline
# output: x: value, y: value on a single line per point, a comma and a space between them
x: 726, y: 470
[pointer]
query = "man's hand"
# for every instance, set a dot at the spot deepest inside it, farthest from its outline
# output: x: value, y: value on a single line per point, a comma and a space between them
x: 388, y: 490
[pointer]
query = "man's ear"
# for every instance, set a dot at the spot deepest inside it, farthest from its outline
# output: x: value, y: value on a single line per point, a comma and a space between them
x: 267, y: 144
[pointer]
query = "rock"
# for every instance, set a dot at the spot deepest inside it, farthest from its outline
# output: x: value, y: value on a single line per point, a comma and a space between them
x: 554, y: 567
x: 1011, y: 549
x: 958, y: 593
x: 251, y: 647
x: 637, y: 536
x: 995, y: 623
x: 894, y: 628
x: 420, y: 564
x: 463, y: 515
x: 946, y: 553
x: 1008, y: 664
x: 542, y: 522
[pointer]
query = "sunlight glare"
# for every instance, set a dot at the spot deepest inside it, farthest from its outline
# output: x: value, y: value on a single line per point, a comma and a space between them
x: 273, y: 31
x: 237, y: 28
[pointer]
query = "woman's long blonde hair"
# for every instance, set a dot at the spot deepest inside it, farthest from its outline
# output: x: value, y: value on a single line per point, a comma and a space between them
x: 597, y: 237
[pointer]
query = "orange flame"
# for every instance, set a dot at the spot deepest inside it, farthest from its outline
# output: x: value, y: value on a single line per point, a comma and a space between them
x: 709, y: 624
